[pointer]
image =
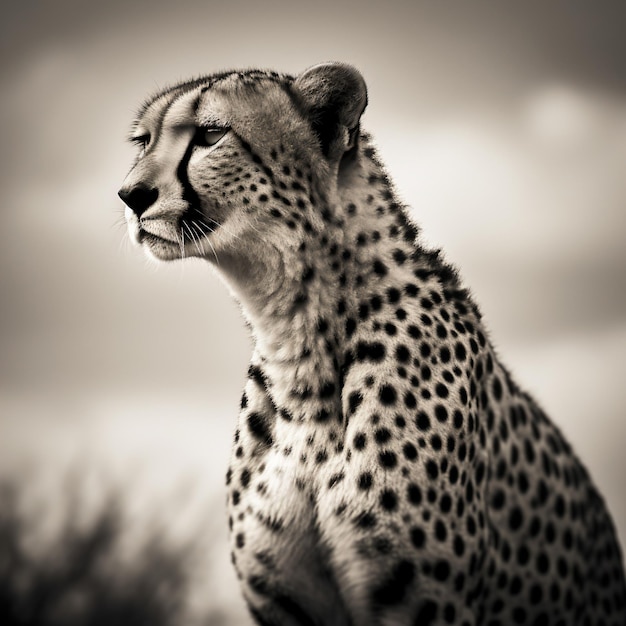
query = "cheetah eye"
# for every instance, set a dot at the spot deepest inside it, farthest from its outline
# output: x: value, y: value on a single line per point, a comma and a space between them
x: 142, y: 141
x: 207, y: 137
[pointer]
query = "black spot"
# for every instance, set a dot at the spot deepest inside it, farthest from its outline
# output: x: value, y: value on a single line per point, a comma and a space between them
x: 449, y: 614
x: 543, y: 563
x: 389, y: 500
x: 410, y: 451
x: 441, y: 413
x: 441, y: 390
x: 376, y: 303
x: 392, y: 590
x: 387, y: 395
x: 365, y: 481
x: 414, y: 494
x: 321, y: 457
x: 388, y: 459
x: 382, y: 435
x: 414, y: 331
x: 335, y: 479
x: 423, y: 421
x: 245, y: 478
x: 399, y: 256
x: 370, y: 351
x: 427, y: 614
x: 365, y: 520
x: 327, y: 390
x: 286, y: 415
x: 445, y: 504
x: 516, y: 518
x: 432, y: 470
x: 515, y: 585
x: 257, y: 425
x: 360, y: 441
x: 256, y: 373
x: 383, y: 545
x: 441, y: 571
x: 393, y: 295
x: 380, y: 268
x: 354, y: 401
x: 409, y: 400
x: 523, y: 555
x: 390, y: 329
x: 411, y: 290
x: 350, y: 326
x: 322, y: 416
x: 402, y: 354
x: 418, y: 537
x: 497, y: 388
x: 440, y: 531
x: 559, y: 506
x: 459, y: 546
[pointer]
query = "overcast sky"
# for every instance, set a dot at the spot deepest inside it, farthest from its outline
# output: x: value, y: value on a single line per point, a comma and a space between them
x: 503, y: 124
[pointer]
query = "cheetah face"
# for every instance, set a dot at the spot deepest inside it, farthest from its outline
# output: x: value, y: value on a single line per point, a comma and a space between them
x: 164, y: 212
x: 236, y: 161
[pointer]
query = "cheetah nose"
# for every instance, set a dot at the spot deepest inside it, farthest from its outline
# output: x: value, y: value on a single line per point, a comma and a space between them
x: 139, y: 198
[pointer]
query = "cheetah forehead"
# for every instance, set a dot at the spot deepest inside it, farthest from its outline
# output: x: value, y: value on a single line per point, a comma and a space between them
x: 234, y: 83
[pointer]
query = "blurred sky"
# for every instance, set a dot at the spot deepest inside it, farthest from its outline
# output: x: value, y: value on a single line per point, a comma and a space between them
x: 503, y: 125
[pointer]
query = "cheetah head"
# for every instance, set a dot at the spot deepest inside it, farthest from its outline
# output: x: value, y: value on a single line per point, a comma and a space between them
x: 241, y: 161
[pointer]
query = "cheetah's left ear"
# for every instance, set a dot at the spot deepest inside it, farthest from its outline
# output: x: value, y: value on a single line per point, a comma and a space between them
x: 333, y: 96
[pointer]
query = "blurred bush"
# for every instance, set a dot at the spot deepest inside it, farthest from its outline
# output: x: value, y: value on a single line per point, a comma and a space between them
x: 84, y: 572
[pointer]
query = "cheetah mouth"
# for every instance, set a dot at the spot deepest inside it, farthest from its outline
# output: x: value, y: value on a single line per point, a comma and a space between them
x: 169, y: 239
x: 158, y: 239
x: 157, y: 231
x: 145, y: 237
x: 157, y: 247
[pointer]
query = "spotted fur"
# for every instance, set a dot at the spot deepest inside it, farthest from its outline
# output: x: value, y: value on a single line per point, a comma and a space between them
x: 386, y: 468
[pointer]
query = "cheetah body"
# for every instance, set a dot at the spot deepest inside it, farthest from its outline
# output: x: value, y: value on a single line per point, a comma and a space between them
x: 386, y: 468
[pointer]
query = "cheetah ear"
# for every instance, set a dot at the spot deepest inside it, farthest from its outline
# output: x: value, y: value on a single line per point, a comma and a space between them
x: 333, y: 96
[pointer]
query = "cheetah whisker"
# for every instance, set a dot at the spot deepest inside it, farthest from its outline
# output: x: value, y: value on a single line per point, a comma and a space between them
x: 198, y: 236
x: 181, y: 242
x: 212, y: 229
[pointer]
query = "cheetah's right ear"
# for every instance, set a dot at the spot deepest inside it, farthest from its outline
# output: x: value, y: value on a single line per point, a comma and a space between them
x: 333, y: 96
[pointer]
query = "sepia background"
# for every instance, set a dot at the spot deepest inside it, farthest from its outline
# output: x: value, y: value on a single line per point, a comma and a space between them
x: 504, y: 127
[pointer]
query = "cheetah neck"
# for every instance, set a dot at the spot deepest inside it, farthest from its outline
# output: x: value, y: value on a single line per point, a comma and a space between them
x: 327, y: 293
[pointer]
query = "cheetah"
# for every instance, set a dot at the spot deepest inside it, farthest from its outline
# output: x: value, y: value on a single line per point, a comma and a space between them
x: 386, y: 468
